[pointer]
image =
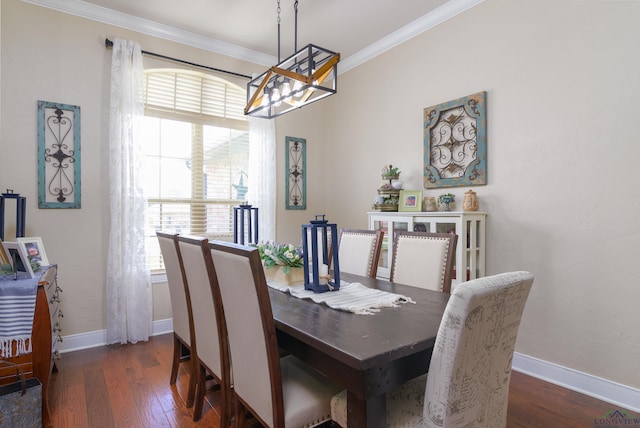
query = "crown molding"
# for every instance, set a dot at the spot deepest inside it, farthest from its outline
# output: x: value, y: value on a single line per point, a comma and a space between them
x: 145, y: 26
x: 409, y: 31
x: 152, y: 28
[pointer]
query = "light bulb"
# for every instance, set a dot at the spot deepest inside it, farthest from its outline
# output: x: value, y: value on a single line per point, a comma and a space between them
x: 265, y: 99
x: 286, y: 88
x: 275, y: 97
x: 297, y: 89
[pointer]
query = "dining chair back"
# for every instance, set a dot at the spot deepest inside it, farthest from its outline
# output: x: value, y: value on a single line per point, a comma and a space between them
x: 209, y: 324
x: 359, y: 251
x: 468, y: 380
x: 182, y: 316
x: 424, y: 259
x: 278, y: 392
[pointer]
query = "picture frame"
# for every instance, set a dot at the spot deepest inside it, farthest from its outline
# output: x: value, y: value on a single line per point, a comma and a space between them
x: 296, y: 173
x: 455, y: 143
x: 410, y: 200
x: 33, y: 249
x: 19, y: 260
x: 58, y: 155
x: 4, y: 256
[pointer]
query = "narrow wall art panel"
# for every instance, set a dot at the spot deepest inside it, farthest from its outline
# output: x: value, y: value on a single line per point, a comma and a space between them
x: 455, y: 143
x: 296, y: 173
x: 58, y: 155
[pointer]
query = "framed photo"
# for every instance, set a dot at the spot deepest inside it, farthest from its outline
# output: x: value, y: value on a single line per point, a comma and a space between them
x: 4, y: 256
x: 33, y: 249
x: 19, y: 260
x: 410, y: 200
x: 296, y: 173
x: 455, y: 143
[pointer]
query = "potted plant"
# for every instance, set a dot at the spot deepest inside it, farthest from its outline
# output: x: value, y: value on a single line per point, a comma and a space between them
x: 282, y: 262
x: 390, y: 172
x: 446, y: 199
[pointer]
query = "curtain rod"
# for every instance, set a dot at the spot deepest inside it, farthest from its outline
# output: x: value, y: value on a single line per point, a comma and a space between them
x: 109, y: 44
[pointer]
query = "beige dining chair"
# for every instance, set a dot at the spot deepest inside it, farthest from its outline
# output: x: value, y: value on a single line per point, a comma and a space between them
x: 276, y: 391
x: 209, y: 325
x: 468, y: 380
x: 359, y: 251
x: 424, y: 259
x: 180, y: 309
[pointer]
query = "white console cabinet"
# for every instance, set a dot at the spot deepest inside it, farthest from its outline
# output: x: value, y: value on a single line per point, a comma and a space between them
x: 469, y: 226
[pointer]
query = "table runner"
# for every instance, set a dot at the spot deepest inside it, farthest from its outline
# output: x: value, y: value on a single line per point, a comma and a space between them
x: 17, y: 307
x: 352, y: 297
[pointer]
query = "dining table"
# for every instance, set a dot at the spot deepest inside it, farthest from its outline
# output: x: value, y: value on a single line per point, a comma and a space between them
x: 368, y: 355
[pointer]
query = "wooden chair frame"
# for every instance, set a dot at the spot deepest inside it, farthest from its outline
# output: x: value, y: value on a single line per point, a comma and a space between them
x: 224, y: 379
x: 374, y: 257
x: 269, y: 330
x: 450, y: 256
x: 179, y: 343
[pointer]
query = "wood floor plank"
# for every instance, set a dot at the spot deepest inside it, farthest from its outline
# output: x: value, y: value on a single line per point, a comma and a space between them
x: 128, y: 386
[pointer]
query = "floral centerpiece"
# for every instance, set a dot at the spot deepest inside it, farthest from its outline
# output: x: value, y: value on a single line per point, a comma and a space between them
x: 282, y: 262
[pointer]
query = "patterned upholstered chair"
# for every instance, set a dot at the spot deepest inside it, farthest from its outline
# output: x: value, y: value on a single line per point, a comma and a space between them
x: 180, y: 308
x: 468, y: 380
x: 424, y: 259
x: 359, y: 251
x: 209, y: 325
x: 278, y: 392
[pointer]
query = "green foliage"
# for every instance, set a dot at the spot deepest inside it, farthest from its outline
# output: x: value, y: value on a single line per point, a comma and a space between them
x: 6, y: 269
x: 276, y: 254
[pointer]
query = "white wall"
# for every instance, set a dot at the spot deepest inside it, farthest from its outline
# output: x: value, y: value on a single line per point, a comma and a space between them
x: 562, y: 87
x: 562, y: 84
x: 52, y: 56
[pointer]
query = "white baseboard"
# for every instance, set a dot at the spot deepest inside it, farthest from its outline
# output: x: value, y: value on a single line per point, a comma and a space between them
x: 76, y: 342
x: 584, y: 383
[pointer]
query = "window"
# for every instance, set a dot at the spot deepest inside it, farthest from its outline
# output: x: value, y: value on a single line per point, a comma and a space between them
x: 196, y: 147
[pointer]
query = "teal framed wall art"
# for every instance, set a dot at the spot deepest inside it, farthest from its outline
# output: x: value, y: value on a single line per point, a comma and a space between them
x: 296, y: 173
x: 58, y: 155
x: 455, y: 143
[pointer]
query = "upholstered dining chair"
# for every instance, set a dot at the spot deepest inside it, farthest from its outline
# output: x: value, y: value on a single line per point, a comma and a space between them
x: 209, y: 325
x: 424, y: 259
x: 359, y: 251
x: 468, y: 380
x: 180, y: 309
x: 276, y: 391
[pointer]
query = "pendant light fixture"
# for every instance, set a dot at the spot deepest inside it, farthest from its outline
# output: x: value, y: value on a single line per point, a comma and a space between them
x: 308, y: 75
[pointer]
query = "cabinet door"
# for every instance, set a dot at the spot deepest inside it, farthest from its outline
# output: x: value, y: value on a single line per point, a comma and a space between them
x: 389, y: 225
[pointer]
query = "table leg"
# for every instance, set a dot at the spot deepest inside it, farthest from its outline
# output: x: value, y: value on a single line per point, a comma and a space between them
x: 370, y: 413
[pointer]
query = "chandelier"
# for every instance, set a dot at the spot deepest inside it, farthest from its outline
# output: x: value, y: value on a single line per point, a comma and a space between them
x: 308, y: 75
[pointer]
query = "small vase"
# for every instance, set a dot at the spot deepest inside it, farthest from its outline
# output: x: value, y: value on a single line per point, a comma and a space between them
x: 470, y: 202
x: 446, y: 200
x: 277, y: 274
x: 430, y: 204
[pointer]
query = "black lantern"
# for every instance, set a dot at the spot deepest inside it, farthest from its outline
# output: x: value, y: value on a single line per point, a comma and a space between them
x: 245, y: 224
x: 21, y: 210
x: 318, y: 279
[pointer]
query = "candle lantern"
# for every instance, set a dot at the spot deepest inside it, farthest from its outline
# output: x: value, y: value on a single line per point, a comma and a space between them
x: 245, y: 224
x: 21, y: 210
x: 316, y: 255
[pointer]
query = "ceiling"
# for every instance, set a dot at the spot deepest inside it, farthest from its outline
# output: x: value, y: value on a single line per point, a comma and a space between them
x: 354, y: 28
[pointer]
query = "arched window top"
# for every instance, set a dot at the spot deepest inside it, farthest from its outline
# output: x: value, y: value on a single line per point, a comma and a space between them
x: 178, y: 92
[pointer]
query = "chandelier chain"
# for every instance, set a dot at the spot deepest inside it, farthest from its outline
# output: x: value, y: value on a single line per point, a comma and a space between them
x: 278, y: 11
x: 295, y: 34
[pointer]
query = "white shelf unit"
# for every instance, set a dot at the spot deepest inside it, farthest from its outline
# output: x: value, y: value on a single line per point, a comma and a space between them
x: 469, y: 226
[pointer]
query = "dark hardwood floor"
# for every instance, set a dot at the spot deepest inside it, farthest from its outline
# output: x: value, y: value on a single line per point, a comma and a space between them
x: 128, y: 386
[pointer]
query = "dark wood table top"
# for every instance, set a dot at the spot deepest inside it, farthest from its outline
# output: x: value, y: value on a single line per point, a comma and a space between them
x: 367, y: 354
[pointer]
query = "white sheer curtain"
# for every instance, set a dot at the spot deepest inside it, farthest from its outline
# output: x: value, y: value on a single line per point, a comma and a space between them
x: 129, y: 301
x: 262, y: 175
